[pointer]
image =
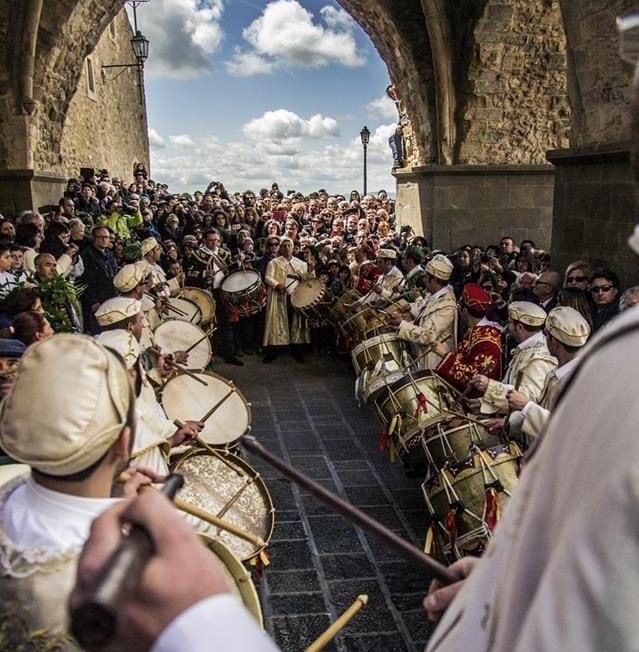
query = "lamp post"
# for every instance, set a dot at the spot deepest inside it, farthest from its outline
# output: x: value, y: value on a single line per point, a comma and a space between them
x: 365, y: 136
x: 140, y: 46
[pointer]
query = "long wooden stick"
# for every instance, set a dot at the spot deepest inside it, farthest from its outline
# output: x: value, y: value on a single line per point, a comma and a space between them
x: 356, y: 516
x: 217, y: 405
x: 206, y: 335
x: 327, y: 636
x: 186, y: 371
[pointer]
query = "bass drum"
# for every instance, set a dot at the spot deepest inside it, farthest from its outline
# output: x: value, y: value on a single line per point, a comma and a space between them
x: 307, y: 299
x: 175, y: 335
x: 203, y: 299
x: 245, y: 292
x: 238, y: 577
x: 225, y: 485
x: 184, y: 398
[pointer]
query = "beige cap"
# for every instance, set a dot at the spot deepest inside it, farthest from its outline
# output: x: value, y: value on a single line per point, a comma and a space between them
x: 527, y: 312
x: 390, y: 254
x: 122, y: 342
x: 148, y: 244
x: 128, y: 278
x: 83, y: 395
x: 440, y: 267
x: 568, y: 326
x: 117, y: 309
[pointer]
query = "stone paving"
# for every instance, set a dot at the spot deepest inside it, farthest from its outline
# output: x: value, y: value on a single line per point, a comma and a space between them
x: 307, y: 414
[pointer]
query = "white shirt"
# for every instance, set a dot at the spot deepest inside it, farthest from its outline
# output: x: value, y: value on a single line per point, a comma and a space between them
x: 37, y: 517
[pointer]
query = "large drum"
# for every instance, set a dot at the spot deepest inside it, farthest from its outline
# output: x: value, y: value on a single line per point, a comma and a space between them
x: 203, y: 299
x: 226, y: 486
x: 418, y: 398
x: 307, y: 299
x: 244, y: 291
x: 238, y: 577
x: 353, y: 326
x: 175, y: 335
x: 228, y: 412
x: 454, y: 439
x: 465, y: 500
x: 182, y: 309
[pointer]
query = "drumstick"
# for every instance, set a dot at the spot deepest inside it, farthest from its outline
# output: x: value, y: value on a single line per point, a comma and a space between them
x: 323, y: 639
x: 186, y: 371
x: 356, y: 516
x: 94, y: 622
x: 177, y: 311
x: 207, y: 416
x: 208, y: 333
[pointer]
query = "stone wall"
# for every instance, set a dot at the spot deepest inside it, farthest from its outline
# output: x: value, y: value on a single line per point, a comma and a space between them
x: 514, y: 103
x: 107, y: 128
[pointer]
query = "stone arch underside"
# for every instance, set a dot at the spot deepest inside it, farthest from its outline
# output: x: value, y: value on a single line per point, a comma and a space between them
x: 502, y: 98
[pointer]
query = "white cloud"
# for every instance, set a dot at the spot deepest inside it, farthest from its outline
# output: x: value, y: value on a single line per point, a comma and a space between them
x: 285, y: 36
x: 155, y: 140
x: 382, y: 107
x: 304, y: 165
x: 183, y: 34
x: 282, y: 124
x: 183, y: 140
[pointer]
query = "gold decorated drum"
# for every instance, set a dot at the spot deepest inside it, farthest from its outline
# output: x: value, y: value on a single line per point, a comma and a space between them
x: 203, y: 299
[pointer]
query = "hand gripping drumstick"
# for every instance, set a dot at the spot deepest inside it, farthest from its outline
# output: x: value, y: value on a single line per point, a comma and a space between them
x: 327, y: 636
x: 356, y: 516
x: 94, y: 623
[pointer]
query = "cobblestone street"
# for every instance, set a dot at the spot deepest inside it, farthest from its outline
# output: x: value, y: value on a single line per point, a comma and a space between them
x: 307, y: 414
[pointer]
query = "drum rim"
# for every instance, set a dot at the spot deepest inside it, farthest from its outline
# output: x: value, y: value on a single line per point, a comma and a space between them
x: 227, y: 382
x: 256, y: 476
x: 202, y: 332
x: 243, y: 580
x: 201, y: 292
x: 250, y: 272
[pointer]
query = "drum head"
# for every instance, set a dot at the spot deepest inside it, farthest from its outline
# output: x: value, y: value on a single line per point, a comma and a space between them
x: 176, y: 335
x: 202, y: 299
x: 226, y: 486
x: 184, y: 310
x: 308, y: 293
x: 238, y: 577
x: 239, y: 281
x: 186, y: 399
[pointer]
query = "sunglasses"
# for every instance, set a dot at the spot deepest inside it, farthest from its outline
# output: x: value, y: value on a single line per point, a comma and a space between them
x: 596, y: 289
x: 576, y: 279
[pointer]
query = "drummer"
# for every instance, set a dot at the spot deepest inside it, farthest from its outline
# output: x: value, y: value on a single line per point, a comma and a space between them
x: 481, y: 348
x: 155, y: 435
x: 530, y: 364
x: 152, y: 253
x: 385, y: 284
x: 567, y: 331
x: 436, y: 321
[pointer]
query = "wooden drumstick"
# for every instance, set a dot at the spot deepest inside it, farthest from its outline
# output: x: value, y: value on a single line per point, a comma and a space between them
x: 326, y: 637
x: 186, y: 371
x: 174, y: 309
x: 206, y: 335
x: 356, y: 516
x: 207, y: 416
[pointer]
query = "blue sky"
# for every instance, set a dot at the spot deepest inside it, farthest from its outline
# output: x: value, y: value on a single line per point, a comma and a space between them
x: 253, y: 92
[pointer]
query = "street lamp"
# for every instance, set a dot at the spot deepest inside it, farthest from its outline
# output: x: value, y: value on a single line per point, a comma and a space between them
x: 365, y: 136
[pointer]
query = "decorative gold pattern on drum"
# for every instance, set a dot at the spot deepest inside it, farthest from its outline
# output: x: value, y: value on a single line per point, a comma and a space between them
x: 184, y: 398
x: 225, y: 485
x: 175, y: 335
x: 460, y: 489
x: 353, y: 326
x: 185, y: 310
x: 203, y: 299
x: 403, y: 399
x: 451, y: 440
x: 394, y: 352
x: 307, y: 299
x: 238, y: 577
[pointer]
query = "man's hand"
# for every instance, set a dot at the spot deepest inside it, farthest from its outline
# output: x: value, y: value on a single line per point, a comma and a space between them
x: 440, y: 349
x: 516, y: 400
x: 439, y: 597
x: 480, y: 383
x: 181, y: 573
x: 132, y: 479
x: 186, y: 433
x: 495, y: 425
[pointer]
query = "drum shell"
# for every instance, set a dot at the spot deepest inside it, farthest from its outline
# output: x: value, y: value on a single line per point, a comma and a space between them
x: 307, y: 299
x: 353, y: 326
x: 183, y: 399
x: 243, y: 290
x: 238, y: 577
x: 469, y: 483
x: 395, y: 351
x: 402, y: 398
x: 203, y: 299
x: 173, y: 335
x: 451, y: 440
x: 226, y: 486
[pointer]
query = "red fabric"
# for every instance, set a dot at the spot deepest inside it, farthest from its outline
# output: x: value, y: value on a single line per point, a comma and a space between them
x: 382, y: 443
x: 493, y: 508
x: 479, y: 352
x: 422, y: 405
x: 451, y: 525
x: 475, y: 297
